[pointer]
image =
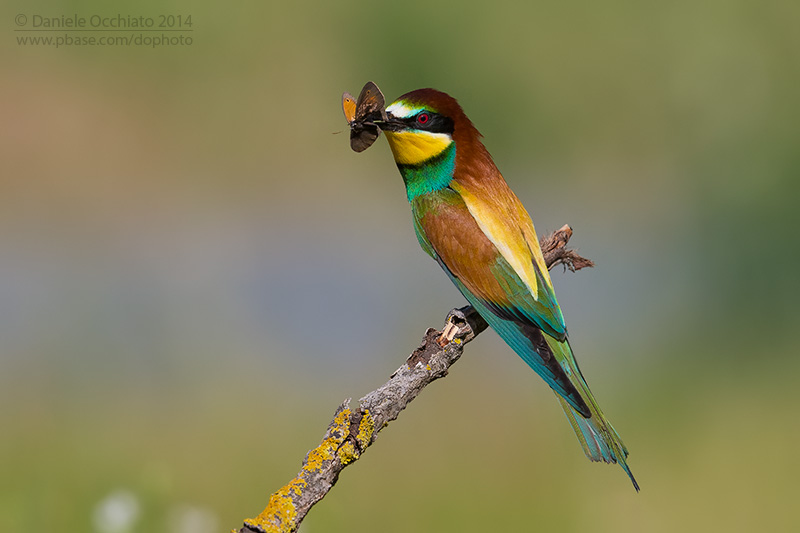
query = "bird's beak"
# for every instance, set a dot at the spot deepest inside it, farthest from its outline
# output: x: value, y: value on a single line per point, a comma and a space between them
x: 390, y: 123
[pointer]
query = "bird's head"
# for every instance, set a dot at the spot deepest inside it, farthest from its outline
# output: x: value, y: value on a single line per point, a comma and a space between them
x: 423, y: 124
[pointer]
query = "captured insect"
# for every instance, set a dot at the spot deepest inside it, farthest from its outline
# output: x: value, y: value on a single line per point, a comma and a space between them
x: 361, y: 114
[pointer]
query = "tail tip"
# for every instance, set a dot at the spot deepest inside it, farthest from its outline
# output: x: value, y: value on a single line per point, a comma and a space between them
x: 633, y: 479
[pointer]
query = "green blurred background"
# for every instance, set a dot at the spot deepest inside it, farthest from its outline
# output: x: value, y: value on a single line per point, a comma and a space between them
x: 195, y: 271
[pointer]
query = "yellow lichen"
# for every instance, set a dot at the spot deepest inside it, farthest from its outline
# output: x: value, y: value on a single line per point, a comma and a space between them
x: 365, y: 430
x: 280, y: 514
x: 326, y: 450
x: 323, y: 452
x: 347, y: 453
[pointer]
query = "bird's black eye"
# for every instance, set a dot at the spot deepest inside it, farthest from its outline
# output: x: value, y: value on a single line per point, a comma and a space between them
x: 423, y: 118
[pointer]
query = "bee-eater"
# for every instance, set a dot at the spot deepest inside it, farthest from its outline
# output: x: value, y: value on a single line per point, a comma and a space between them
x: 468, y: 220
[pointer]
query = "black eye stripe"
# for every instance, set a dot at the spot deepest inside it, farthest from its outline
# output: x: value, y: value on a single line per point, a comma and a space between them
x: 435, y: 122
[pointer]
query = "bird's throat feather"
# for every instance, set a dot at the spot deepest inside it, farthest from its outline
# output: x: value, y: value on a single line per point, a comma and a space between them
x: 415, y: 147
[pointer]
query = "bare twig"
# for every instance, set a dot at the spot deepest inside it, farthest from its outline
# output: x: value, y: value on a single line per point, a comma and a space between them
x: 554, y: 248
x: 352, y: 431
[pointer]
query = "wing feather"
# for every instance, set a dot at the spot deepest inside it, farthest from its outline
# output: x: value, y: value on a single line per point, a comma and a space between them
x: 447, y: 230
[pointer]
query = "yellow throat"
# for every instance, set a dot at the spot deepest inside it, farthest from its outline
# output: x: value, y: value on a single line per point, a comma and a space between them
x: 414, y: 147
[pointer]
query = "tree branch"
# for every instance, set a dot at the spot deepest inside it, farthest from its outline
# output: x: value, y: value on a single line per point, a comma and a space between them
x: 352, y: 431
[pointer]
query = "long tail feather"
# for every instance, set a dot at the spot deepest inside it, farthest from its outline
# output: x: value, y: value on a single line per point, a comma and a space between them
x: 599, y: 439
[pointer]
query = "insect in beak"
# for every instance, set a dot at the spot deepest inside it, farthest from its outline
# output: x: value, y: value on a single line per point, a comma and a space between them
x: 364, y: 115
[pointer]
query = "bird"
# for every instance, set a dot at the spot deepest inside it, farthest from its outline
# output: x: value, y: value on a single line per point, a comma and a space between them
x: 471, y: 223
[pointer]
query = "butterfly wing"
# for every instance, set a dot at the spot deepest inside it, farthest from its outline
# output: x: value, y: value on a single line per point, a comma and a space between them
x: 362, y: 136
x: 349, y: 107
x: 371, y: 103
